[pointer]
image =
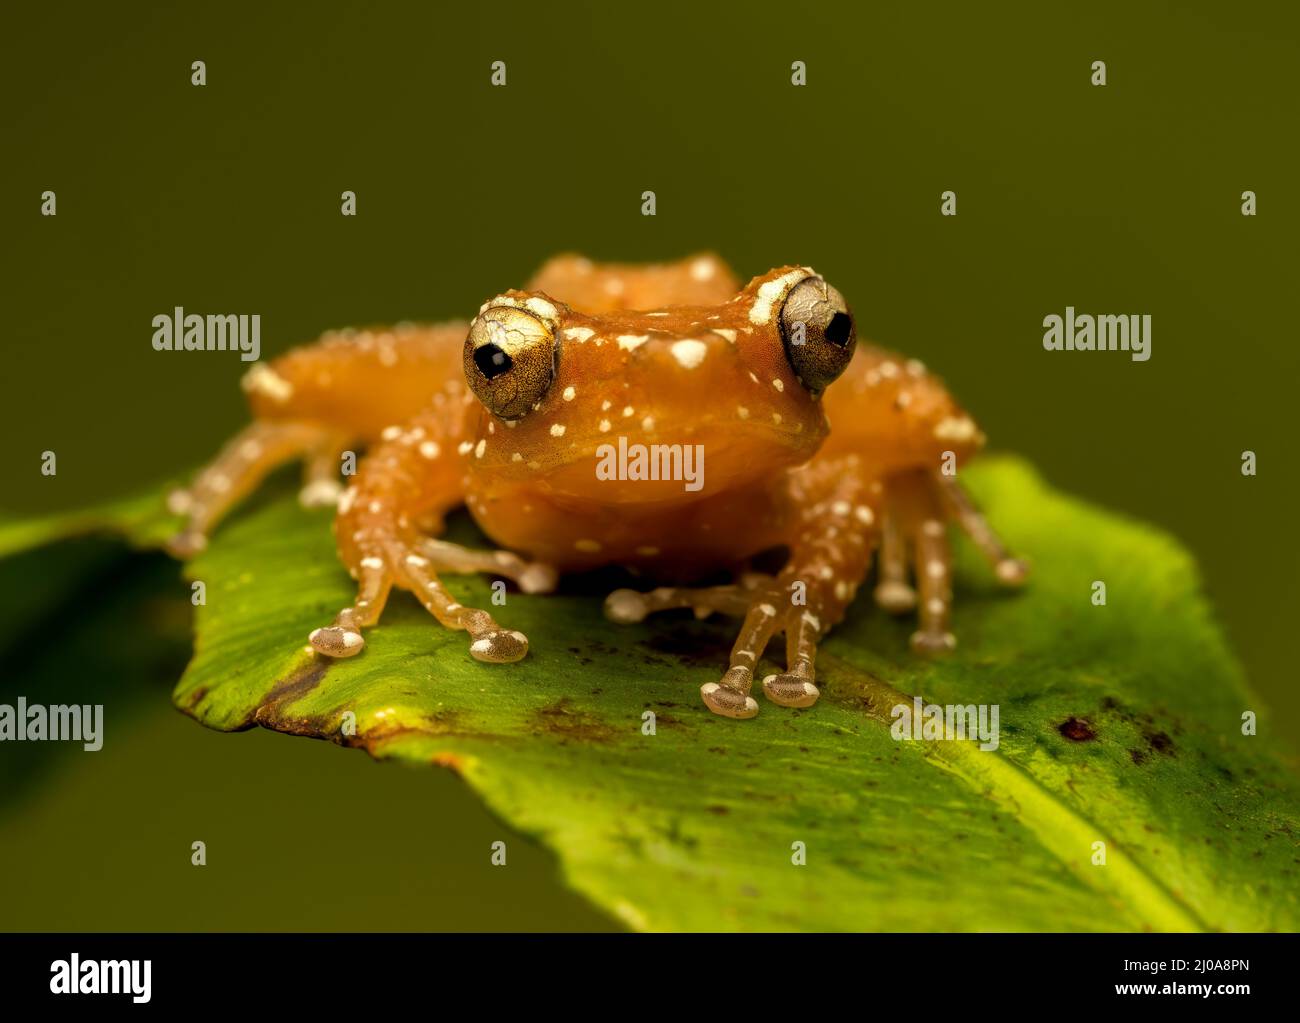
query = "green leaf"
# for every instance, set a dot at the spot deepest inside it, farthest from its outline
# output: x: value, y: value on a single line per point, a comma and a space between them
x: 1120, y: 724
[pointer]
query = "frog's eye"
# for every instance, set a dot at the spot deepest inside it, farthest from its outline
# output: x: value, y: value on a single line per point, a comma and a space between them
x: 818, y: 332
x: 509, y: 360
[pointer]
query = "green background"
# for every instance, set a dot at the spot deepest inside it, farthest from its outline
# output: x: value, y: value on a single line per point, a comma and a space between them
x: 225, y: 198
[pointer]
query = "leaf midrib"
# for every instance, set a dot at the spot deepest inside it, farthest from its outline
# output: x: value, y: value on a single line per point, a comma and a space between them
x: 1055, y: 823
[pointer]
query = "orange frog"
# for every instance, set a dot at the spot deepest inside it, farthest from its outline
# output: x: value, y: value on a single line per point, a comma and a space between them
x: 658, y: 417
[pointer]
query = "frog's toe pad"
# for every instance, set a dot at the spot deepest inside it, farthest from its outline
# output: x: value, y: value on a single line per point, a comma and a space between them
x: 626, y: 607
x: 500, y: 646
x: 1012, y: 571
x: 933, y: 643
x: 790, y: 690
x: 895, y: 598
x: 186, y: 544
x: 538, y: 578
x: 336, y: 641
x: 321, y: 493
x: 730, y: 703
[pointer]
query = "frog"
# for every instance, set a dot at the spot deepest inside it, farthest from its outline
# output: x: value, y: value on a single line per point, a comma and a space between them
x: 820, y: 459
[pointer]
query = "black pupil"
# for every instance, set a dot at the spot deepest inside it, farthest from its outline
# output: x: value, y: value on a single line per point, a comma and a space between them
x: 838, y: 330
x: 492, y: 361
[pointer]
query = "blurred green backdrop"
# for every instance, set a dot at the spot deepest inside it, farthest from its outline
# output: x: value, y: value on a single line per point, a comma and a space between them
x: 225, y: 198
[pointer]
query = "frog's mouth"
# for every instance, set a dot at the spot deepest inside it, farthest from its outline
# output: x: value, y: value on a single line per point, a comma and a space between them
x: 667, y: 468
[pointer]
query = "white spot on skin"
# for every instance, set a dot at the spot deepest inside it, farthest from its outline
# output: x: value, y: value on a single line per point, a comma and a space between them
x: 778, y: 384
x: 864, y: 514
x: 391, y: 433
x: 703, y: 269
x: 264, y: 380
x: 465, y: 447
x: 372, y: 562
x: 768, y: 293
x: 557, y: 429
x: 936, y: 569
x: 345, y: 502
x: 648, y: 423
x: 516, y: 457
x: 604, y: 426
x: 569, y: 393
x: 629, y: 411
x: 841, y: 508
x: 631, y: 342
x: 955, y: 429
x: 604, y: 405
x: 430, y: 449
x: 415, y: 561
x: 726, y: 333
x: 578, y: 333
x: 742, y: 411
x: 889, y: 370
x: 480, y: 448
x: 689, y: 353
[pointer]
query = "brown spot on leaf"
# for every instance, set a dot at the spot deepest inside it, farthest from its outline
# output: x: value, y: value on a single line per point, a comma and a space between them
x: 297, y: 684
x: 1077, y: 730
x: 568, y: 722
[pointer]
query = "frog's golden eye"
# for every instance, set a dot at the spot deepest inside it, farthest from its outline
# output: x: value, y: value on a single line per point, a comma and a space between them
x: 818, y: 332
x: 509, y: 360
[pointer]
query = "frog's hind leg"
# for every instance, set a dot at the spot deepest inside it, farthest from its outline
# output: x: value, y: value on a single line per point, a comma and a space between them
x: 918, y: 507
x: 893, y: 592
x: 313, y: 402
x: 238, y: 469
x: 1010, y: 570
x: 414, y: 478
x: 529, y: 576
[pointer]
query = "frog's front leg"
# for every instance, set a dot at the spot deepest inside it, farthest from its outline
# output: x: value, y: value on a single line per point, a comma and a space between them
x: 831, y: 553
x: 403, y: 487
